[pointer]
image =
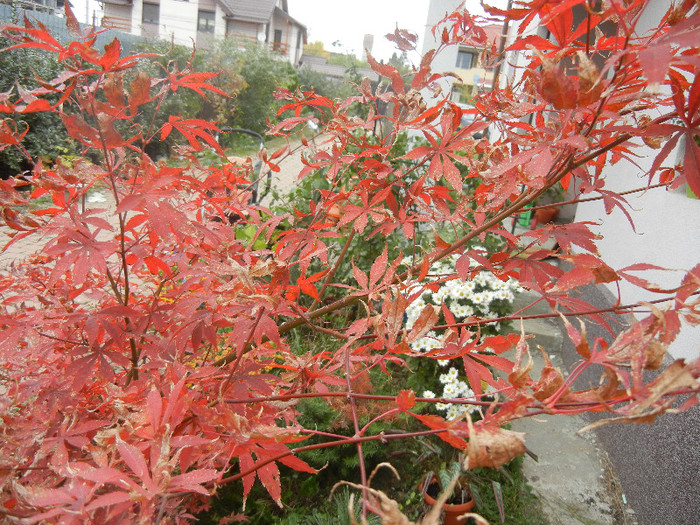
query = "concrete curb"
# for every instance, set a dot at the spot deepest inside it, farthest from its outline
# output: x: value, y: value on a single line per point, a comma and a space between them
x: 572, y: 477
x: 658, y: 465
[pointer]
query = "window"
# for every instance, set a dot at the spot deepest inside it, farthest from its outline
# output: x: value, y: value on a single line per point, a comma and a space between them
x: 277, y: 42
x: 466, y: 60
x: 205, y: 21
x: 150, y: 13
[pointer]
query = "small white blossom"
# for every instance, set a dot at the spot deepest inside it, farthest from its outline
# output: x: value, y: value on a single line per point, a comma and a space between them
x: 455, y: 412
x: 450, y: 390
x: 464, y: 389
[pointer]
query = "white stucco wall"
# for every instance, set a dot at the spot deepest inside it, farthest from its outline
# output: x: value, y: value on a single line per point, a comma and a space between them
x: 666, y: 234
x: 176, y: 21
x: 667, y: 224
x: 447, y: 59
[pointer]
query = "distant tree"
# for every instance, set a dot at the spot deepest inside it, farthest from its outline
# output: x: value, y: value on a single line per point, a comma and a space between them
x: 246, y: 76
x: 45, y: 138
x: 322, y: 84
x: 316, y: 49
x: 400, y: 62
x: 347, y: 60
x: 182, y: 102
x: 263, y: 72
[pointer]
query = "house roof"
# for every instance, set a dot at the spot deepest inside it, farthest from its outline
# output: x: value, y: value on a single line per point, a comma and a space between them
x: 320, y: 65
x: 290, y: 18
x: 259, y: 11
x: 493, y: 32
x: 249, y: 10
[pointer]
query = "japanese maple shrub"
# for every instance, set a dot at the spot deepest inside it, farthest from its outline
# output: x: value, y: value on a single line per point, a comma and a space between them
x: 144, y: 349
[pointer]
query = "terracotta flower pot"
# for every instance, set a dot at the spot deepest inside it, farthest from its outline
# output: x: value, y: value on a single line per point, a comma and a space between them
x: 453, y: 511
x: 546, y: 215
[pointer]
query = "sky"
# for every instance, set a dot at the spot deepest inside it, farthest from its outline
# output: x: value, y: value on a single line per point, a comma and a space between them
x: 346, y: 22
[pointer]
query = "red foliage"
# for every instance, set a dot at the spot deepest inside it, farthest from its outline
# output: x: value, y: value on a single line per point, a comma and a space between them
x: 145, y: 345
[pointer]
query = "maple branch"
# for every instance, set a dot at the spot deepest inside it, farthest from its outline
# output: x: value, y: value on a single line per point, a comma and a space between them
x: 600, y: 197
x: 568, y: 165
x: 135, y: 356
x: 330, y: 275
x: 356, y: 425
x: 379, y: 418
x: 515, y: 207
x: 582, y: 406
x: 349, y: 441
x: 616, y: 309
x: 354, y: 395
x: 150, y: 133
x: 60, y: 339
x: 243, y: 349
x: 588, y: 30
x: 114, y: 287
x: 579, y: 406
x: 317, y: 328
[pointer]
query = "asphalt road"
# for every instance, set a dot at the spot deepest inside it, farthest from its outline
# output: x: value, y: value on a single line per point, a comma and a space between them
x: 657, y: 465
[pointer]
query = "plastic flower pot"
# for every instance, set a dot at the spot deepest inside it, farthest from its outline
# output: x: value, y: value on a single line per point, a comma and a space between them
x: 453, y: 511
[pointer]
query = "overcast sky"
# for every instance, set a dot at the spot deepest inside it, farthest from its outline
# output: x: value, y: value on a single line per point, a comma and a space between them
x: 348, y: 21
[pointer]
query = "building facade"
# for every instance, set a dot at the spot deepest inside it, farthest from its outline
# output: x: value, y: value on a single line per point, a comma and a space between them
x: 198, y: 22
x: 464, y: 61
x: 668, y: 243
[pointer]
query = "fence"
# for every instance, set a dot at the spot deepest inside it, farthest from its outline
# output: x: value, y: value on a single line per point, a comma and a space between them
x: 14, y: 14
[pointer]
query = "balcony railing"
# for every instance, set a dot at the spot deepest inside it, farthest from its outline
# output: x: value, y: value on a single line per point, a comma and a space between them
x: 276, y: 47
x: 42, y: 6
x: 117, y: 22
x: 279, y: 47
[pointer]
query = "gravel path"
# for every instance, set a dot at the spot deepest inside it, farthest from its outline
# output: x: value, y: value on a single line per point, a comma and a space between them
x: 283, y: 182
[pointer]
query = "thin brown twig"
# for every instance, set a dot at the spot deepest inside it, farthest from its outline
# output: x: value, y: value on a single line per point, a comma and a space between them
x: 242, y: 351
x: 330, y: 275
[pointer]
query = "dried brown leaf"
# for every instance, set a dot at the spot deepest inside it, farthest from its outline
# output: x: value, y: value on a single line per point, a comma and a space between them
x: 654, y: 354
x: 477, y: 519
x: 425, y: 322
x: 385, y: 507
x: 578, y: 338
x: 651, y: 403
x: 551, y: 379
x: 520, y: 376
x: 589, y: 80
x: 389, y: 511
x: 492, y: 446
x: 608, y: 389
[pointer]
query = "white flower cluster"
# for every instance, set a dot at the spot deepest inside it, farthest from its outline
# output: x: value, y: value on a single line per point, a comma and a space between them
x: 453, y: 387
x: 485, y: 297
